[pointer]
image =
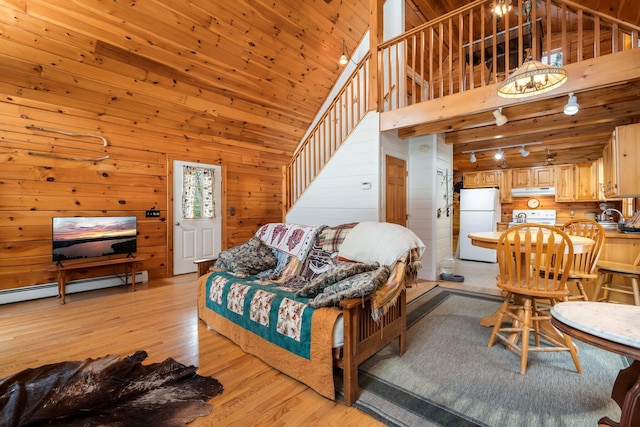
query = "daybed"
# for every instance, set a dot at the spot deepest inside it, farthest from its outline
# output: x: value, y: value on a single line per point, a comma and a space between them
x: 307, y: 298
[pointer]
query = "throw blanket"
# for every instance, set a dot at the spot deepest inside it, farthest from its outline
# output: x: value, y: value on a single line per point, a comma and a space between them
x: 264, y: 308
x: 293, y: 239
x: 387, y: 244
x: 108, y: 391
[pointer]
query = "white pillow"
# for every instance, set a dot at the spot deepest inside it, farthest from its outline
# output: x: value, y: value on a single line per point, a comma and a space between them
x: 381, y: 242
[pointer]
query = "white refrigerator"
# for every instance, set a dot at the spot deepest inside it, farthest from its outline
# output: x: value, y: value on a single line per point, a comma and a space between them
x: 479, y: 211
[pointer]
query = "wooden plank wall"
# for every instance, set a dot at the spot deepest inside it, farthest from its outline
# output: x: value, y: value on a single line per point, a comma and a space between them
x: 35, y: 187
x: 147, y: 127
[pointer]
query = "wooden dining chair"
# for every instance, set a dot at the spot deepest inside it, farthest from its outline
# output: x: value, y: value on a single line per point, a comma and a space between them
x: 533, y: 264
x: 584, y: 264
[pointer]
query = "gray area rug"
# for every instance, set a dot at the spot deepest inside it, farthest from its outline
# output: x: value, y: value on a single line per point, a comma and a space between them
x: 449, y: 377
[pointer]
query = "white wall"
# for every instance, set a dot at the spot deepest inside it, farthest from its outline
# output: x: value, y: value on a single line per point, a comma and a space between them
x: 337, y: 195
x: 430, y: 164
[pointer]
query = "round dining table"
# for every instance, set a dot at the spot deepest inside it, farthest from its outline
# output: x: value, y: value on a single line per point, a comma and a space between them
x: 489, y: 240
x: 612, y: 327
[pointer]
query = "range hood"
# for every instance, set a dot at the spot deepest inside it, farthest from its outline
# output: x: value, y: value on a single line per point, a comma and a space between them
x: 533, y: 191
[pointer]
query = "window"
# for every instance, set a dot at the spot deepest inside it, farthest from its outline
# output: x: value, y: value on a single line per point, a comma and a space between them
x: 198, y: 193
x: 556, y: 58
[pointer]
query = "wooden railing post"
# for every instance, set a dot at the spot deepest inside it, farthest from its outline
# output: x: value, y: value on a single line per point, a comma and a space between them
x: 375, y: 39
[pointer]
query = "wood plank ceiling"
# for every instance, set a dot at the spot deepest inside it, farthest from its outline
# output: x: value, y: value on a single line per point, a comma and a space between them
x: 256, y: 72
x: 251, y: 72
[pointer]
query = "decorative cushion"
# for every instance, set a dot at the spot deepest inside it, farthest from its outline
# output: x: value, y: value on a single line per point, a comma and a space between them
x: 246, y: 259
x: 332, y: 237
x: 317, y: 262
x: 341, y: 271
x: 381, y: 242
x: 352, y: 287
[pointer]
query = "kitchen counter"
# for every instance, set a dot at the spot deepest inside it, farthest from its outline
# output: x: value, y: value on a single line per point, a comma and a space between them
x: 620, y: 235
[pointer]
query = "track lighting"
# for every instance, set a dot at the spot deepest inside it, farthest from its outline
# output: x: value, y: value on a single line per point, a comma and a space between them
x: 500, y: 154
x: 572, y: 106
x: 343, y: 59
x: 500, y: 118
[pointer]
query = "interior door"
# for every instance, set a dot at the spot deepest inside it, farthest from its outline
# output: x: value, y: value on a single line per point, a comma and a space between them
x: 197, y: 228
x: 396, y: 190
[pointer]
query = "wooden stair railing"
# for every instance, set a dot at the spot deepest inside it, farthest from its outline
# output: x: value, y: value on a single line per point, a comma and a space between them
x: 345, y: 112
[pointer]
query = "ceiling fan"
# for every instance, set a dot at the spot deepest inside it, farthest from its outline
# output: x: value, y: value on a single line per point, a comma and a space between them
x: 550, y: 158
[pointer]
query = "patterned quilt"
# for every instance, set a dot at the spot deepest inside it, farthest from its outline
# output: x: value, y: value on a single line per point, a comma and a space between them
x: 263, y: 307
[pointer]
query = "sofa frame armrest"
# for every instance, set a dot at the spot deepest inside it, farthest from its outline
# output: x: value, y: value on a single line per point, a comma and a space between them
x: 204, y: 264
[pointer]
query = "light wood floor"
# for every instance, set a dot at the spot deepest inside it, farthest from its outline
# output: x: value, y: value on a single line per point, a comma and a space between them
x: 160, y: 317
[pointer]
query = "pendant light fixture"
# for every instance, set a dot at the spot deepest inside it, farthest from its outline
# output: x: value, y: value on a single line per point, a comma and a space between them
x: 343, y: 58
x: 502, y: 7
x: 533, y: 77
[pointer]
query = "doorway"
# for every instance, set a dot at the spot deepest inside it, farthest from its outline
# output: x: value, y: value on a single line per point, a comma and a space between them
x: 197, y: 214
x: 396, y: 190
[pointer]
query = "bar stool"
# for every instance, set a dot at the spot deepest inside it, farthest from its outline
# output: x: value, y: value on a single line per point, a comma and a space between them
x: 606, y: 272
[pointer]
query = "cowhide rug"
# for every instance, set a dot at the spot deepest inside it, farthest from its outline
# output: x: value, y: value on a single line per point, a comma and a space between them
x: 108, y: 391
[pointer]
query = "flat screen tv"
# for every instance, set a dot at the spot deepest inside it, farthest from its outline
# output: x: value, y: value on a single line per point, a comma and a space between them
x: 90, y: 237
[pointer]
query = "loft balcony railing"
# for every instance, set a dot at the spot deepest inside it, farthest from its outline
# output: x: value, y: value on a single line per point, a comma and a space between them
x: 458, y: 52
x: 467, y: 48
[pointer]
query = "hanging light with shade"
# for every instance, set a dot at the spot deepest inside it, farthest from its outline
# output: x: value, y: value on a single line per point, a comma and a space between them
x: 533, y: 77
x: 343, y: 58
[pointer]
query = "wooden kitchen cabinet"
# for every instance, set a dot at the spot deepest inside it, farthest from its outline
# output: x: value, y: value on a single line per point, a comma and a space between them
x: 521, y: 178
x: 480, y: 179
x: 543, y: 176
x: 565, y: 183
x: 620, y: 163
x: 505, y: 187
x: 588, y: 181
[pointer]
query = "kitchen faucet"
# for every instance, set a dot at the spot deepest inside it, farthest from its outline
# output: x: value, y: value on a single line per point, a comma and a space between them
x: 522, y: 217
x: 606, y: 211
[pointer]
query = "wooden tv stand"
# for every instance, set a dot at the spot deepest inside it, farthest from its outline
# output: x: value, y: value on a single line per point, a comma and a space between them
x: 130, y: 265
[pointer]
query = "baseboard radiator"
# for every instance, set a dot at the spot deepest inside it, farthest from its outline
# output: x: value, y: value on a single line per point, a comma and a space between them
x: 51, y: 289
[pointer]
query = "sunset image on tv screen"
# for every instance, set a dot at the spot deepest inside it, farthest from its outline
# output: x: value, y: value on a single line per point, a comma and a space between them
x: 87, y: 237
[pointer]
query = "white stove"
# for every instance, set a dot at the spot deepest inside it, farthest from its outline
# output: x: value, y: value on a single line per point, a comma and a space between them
x: 538, y: 216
